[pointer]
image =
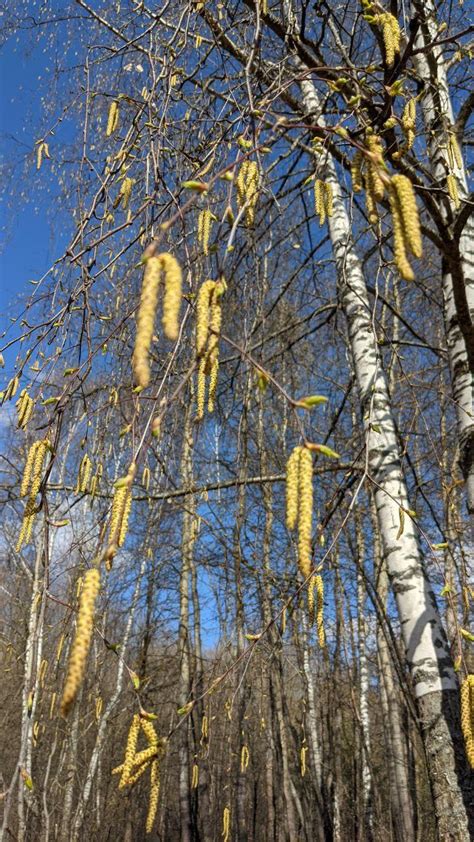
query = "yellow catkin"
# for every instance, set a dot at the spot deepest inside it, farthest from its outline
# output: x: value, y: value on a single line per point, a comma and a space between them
x: 204, y: 229
x: 305, y: 511
x: 145, y: 322
x: 356, y: 172
x: 467, y: 716
x: 172, y: 297
x: 167, y: 265
x: 82, y: 639
x: 247, y: 184
x: 328, y: 198
x: 24, y: 407
x: 125, y: 192
x: 154, y: 796
x: 130, y: 750
x: 303, y: 751
x: 121, y: 506
x: 84, y: 475
x: 226, y: 824
x: 319, y: 585
x: 452, y: 185
x: 375, y: 166
x: 311, y: 588
x: 112, y: 119
x: 454, y: 152
x: 204, y: 728
x: 292, y: 477
x: 33, y: 465
x: 195, y: 776
x: 409, y: 122
x: 134, y: 777
x: 409, y: 214
x: 203, y: 305
x: 244, y: 758
x: 319, y: 203
x: 201, y: 389
x: 399, y: 247
x: 213, y: 344
x: 391, y: 36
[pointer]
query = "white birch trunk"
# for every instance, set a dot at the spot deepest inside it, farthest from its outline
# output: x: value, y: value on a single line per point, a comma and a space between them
x: 458, y: 291
x: 427, y: 655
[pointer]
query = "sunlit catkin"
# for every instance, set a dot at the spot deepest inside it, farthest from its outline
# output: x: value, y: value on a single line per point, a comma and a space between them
x: 292, y: 477
x: 82, y: 639
x: 356, y: 172
x: 319, y: 585
x: 205, y: 220
x: 452, y: 185
x: 409, y: 122
x: 24, y: 408
x: 467, y: 716
x: 213, y: 344
x: 145, y: 322
x: 247, y: 183
x: 203, y: 306
x: 130, y: 750
x: 121, y: 506
x: 391, y: 36
x: 244, y: 758
x: 84, y: 475
x: 399, y: 246
x: 172, y: 296
x: 195, y: 776
x: 375, y: 166
x: 112, y: 119
x: 305, y: 512
x: 409, y: 213
x: 154, y: 796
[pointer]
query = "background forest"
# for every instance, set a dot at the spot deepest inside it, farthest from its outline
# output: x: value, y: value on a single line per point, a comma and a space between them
x: 237, y: 470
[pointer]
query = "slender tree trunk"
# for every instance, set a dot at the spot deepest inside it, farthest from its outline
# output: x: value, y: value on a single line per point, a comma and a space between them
x: 426, y: 650
x: 458, y: 265
x: 363, y: 686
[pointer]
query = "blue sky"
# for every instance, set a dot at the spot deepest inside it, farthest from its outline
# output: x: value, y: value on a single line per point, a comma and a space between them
x: 26, y: 249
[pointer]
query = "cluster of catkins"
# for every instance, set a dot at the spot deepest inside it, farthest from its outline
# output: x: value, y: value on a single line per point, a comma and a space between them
x: 30, y: 486
x: 137, y: 762
x: 247, y: 189
x: 155, y: 267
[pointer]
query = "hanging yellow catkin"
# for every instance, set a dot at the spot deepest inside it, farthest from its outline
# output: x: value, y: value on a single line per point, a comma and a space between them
x: 167, y: 265
x: 311, y: 589
x: 292, y: 478
x: 154, y: 796
x: 82, y: 639
x: 215, y: 322
x: 226, y: 824
x: 319, y: 204
x: 30, y: 485
x: 203, y: 306
x: 112, y: 119
x: 24, y: 407
x: 356, y: 172
x: 391, y: 36
x: 454, y: 152
x: 247, y: 189
x: 452, y: 185
x: 205, y: 220
x: 121, y: 506
x: 409, y: 213
x: 172, y: 297
x: 145, y: 321
x: 319, y: 585
x: 375, y: 166
x: 409, y: 122
x: 84, y: 475
x: 305, y: 511
x: 303, y: 751
x: 195, y: 776
x: 467, y: 716
x: 399, y: 246
x: 208, y: 327
x: 130, y: 750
